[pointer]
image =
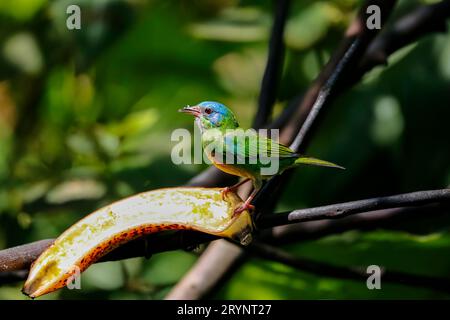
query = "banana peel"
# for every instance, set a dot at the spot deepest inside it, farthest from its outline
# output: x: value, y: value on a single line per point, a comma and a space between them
x: 200, y: 209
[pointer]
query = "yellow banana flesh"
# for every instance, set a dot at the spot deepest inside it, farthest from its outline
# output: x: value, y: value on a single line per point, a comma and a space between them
x: 201, y: 209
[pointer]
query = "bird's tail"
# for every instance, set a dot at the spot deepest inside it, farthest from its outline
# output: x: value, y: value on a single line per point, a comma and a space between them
x: 316, y: 162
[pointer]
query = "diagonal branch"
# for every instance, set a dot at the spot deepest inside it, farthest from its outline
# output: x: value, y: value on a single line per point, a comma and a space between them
x: 424, y: 20
x: 300, y: 127
x: 325, y: 92
x: 357, y: 30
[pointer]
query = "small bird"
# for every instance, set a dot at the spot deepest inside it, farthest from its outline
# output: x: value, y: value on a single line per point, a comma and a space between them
x: 220, y: 134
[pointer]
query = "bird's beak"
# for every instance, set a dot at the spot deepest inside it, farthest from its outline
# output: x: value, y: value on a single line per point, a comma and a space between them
x: 194, y: 110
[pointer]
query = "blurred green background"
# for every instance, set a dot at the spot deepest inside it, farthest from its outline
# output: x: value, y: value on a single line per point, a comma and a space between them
x: 86, y: 118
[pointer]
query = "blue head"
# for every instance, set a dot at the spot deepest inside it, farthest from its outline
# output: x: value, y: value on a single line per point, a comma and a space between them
x: 210, y: 114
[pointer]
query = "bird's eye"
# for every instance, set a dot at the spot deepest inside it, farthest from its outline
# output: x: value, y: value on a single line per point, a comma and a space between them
x: 208, y: 110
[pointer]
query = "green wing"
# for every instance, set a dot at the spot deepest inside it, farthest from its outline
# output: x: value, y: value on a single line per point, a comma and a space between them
x: 250, y: 147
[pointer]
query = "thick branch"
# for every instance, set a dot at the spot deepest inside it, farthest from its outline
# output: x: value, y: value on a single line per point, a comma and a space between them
x: 201, y: 278
x: 21, y: 257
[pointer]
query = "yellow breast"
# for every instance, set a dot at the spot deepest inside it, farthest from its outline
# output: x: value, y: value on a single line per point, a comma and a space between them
x: 230, y: 169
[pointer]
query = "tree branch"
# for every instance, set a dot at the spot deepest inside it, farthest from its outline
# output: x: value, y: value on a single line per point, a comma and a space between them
x: 341, y: 210
x: 360, y: 37
x: 319, y: 95
x: 421, y: 220
x: 269, y: 252
x: 21, y: 257
x: 417, y: 24
x: 274, y: 65
x: 324, y: 94
x: 201, y: 278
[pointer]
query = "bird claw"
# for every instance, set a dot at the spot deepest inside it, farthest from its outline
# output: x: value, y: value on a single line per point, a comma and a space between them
x: 233, y: 188
x: 224, y: 192
x: 242, y: 208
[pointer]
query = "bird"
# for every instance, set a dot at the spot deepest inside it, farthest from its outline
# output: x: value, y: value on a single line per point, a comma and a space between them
x: 246, y: 157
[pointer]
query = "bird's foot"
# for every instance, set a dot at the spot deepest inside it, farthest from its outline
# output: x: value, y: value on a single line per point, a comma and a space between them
x: 225, y: 191
x: 233, y: 188
x: 245, y: 206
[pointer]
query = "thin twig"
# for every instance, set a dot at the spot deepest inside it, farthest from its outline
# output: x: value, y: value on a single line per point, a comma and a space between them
x: 341, y: 210
x: 324, y: 93
x: 356, y: 30
x: 421, y: 220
